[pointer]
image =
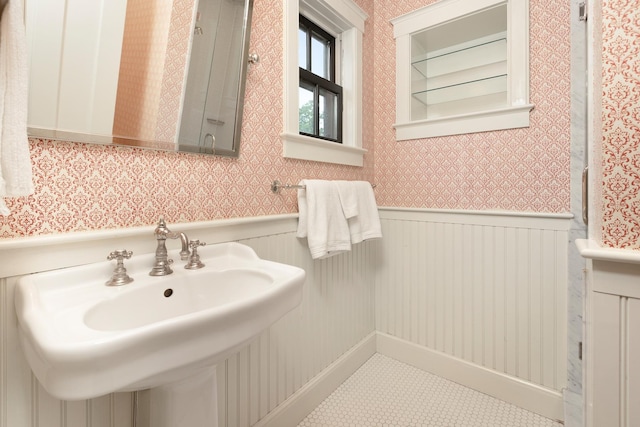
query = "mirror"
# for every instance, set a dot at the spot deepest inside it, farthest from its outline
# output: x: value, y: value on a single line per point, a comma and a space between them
x: 161, y: 74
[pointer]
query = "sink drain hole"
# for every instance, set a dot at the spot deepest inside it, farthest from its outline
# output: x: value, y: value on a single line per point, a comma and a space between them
x: 168, y: 292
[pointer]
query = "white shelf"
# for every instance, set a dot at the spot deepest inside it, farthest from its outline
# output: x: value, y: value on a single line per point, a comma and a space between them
x: 465, y: 90
x: 460, y: 63
x: 478, y: 52
x: 475, y: 70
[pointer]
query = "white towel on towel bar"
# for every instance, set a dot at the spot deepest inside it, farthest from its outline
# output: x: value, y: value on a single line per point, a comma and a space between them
x: 365, y: 224
x: 348, y: 197
x: 321, y: 219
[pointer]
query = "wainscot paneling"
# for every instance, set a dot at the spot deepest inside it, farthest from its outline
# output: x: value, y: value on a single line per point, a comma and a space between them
x: 336, y: 314
x: 476, y: 297
x: 478, y: 289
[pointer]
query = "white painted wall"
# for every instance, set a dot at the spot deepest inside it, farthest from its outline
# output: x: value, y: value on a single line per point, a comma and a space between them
x: 73, y: 80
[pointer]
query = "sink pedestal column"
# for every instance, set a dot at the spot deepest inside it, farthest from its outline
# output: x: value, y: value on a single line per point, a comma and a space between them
x: 191, y: 402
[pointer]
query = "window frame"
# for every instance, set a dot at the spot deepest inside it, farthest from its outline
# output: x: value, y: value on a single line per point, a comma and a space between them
x: 345, y: 20
x: 318, y: 82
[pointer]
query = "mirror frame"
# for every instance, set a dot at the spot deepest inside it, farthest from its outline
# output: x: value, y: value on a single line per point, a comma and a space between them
x: 234, y: 151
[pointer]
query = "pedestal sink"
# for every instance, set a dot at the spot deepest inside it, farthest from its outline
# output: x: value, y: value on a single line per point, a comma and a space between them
x: 84, y: 339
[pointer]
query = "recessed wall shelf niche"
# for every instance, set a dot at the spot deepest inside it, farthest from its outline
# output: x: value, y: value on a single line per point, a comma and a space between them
x: 462, y: 67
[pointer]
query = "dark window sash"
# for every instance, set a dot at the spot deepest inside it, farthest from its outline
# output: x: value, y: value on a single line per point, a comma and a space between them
x: 310, y: 27
x: 310, y: 80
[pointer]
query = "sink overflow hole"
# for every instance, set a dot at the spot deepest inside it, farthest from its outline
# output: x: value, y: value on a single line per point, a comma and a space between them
x: 168, y: 292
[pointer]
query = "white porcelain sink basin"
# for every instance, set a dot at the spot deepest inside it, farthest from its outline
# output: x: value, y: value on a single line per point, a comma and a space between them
x: 84, y: 339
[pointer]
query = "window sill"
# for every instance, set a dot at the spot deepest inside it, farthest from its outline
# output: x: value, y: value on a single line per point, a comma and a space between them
x: 307, y: 148
x: 504, y: 118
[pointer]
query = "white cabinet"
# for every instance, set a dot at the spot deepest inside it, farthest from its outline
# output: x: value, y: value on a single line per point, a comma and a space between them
x: 462, y: 67
x: 612, y: 382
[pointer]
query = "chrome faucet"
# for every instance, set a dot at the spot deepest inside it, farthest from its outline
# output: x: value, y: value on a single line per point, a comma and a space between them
x: 162, y: 265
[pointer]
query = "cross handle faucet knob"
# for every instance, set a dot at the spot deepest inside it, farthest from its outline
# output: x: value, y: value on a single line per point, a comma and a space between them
x: 120, y: 255
x: 120, y: 276
x: 193, y: 245
x: 194, y: 260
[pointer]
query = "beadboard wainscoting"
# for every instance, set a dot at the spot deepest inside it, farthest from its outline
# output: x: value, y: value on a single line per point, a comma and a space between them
x: 336, y: 313
x: 479, y: 298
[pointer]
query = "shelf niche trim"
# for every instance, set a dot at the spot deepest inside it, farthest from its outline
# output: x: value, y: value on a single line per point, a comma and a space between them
x: 462, y: 67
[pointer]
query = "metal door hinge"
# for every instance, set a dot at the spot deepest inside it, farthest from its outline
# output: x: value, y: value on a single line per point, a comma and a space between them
x: 582, y: 11
x: 585, y: 195
x: 580, y: 350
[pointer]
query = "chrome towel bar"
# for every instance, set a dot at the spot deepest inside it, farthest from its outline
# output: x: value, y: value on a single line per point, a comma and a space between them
x: 277, y: 186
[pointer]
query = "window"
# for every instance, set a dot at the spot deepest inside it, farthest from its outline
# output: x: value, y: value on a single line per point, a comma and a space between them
x: 320, y: 105
x: 343, y: 21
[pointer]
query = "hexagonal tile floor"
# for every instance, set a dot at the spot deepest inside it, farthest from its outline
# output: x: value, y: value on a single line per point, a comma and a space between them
x: 385, y: 392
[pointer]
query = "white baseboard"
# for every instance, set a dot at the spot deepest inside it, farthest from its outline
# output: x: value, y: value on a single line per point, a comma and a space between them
x: 293, y: 410
x: 548, y: 403
x: 534, y: 398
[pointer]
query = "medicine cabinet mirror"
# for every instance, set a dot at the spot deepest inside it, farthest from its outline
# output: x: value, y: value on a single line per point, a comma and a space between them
x: 166, y: 75
x: 462, y: 67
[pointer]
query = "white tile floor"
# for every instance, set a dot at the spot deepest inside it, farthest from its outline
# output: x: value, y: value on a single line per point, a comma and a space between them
x: 385, y: 392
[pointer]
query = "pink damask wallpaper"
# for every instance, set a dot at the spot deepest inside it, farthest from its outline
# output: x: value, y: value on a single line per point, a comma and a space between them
x: 85, y: 187
x: 621, y: 123
x: 516, y: 170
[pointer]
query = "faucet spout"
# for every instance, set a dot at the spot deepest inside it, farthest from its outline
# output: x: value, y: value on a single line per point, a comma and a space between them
x: 162, y: 265
x: 184, y: 253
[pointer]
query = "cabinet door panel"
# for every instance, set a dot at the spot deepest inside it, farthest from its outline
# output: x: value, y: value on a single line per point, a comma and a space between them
x: 606, y: 360
x: 633, y: 362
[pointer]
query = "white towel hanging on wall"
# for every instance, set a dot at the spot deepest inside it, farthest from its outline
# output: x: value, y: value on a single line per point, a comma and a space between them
x: 364, y: 224
x: 15, y: 162
x: 321, y: 219
x: 333, y: 215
